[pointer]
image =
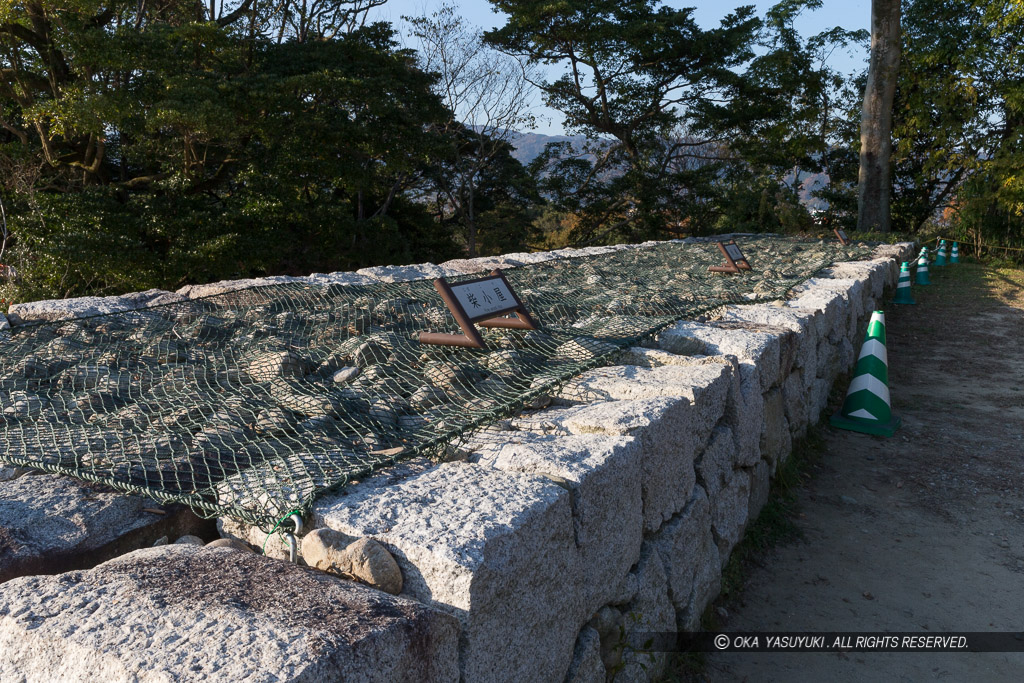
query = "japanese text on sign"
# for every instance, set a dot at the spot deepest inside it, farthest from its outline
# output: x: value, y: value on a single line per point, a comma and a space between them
x: 734, y: 252
x: 484, y: 298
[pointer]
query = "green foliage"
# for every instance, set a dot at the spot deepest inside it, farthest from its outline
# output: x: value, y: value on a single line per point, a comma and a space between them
x: 686, y: 127
x: 959, y: 119
x: 638, y: 80
x: 161, y: 148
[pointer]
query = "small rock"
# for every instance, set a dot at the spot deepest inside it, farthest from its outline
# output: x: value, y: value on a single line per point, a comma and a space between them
x: 345, y: 375
x: 24, y: 404
x: 371, y: 353
x: 163, y: 540
x: 538, y: 403
x: 1004, y: 543
x: 364, y: 560
x: 189, y: 539
x: 273, y: 420
x: 427, y: 397
x: 229, y: 543
x: 848, y: 500
x: 264, y: 367
x: 383, y: 412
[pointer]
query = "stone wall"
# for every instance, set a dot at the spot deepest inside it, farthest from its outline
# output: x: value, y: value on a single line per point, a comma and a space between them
x: 614, y: 507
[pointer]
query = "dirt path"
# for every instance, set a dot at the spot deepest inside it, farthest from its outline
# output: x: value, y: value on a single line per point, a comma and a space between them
x: 922, y: 532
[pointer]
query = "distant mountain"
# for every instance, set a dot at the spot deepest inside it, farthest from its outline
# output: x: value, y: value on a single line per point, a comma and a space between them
x: 530, y: 145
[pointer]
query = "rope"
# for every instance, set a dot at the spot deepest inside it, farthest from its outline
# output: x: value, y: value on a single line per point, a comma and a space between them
x: 964, y: 243
x: 276, y: 526
x: 251, y: 403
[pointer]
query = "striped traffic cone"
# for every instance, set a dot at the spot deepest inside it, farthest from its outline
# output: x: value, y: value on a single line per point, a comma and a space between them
x: 922, y: 268
x: 940, y: 259
x: 903, y: 295
x: 954, y: 257
x: 867, y: 408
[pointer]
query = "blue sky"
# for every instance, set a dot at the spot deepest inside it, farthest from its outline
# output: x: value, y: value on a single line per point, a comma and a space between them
x: 850, y: 14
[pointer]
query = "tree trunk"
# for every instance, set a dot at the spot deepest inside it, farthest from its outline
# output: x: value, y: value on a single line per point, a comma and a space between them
x: 875, y: 185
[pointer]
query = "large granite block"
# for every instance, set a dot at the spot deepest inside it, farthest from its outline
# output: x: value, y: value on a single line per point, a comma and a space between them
x: 727, y: 338
x: 51, y: 524
x: 716, y: 462
x: 667, y: 431
x: 603, y: 475
x: 706, y: 386
x: 65, y: 309
x: 831, y: 305
x: 690, y: 557
x: 650, y: 612
x: 794, y: 399
x: 418, y: 271
x: 744, y: 412
x: 760, y: 488
x: 189, y: 613
x: 729, y: 513
x: 494, y: 548
x: 776, y: 439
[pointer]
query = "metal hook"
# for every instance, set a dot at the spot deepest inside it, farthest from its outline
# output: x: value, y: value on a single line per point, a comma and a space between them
x: 293, y: 546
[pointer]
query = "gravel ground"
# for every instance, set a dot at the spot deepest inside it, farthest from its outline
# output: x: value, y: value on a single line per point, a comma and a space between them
x: 921, y: 532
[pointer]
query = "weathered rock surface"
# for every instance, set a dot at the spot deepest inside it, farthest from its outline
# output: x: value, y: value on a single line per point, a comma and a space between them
x: 419, y: 271
x: 186, y: 613
x: 667, y: 430
x: 650, y: 612
x: 691, y: 560
x: 586, y: 666
x: 704, y: 385
x: 603, y: 475
x: 231, y: 544
x: 746, y: 343
x: 51, y: 524
x: 364, y: 560
x: 729, y: 513
x: 494, y: 548
x: 225, y: 286
x: 64, y: 309
x: 265, y: 367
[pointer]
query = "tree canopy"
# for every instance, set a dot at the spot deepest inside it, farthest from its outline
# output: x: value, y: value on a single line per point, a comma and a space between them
x: 198, y: 147
x: 161, y: 143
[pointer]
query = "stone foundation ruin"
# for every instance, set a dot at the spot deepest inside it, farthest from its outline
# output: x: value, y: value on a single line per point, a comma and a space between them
x: 611, y: 506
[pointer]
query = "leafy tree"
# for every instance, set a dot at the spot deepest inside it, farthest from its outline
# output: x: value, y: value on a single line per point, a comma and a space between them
x: 790, y: 126
x: 687, y: 128
x: 478, y: 186
x: 161, y: 143
x: 960, y: 117
x: 641, y: 82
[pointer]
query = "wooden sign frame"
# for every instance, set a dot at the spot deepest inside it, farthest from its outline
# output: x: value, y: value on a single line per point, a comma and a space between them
x: 841, y: 234
x: 733, y: 265
x: 471, y: 337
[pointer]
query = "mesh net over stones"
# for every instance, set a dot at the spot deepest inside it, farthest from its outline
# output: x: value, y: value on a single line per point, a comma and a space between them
x: 249, y: 404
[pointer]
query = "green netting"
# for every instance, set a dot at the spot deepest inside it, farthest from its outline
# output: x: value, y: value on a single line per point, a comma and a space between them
x: 251, y: 403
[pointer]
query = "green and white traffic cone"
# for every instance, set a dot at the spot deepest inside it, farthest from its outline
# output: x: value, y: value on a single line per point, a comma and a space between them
x: 922, y: 268
x: 940, y: 259
x: 903, y: 295
x: 867, y: 408
x: 954, y: 257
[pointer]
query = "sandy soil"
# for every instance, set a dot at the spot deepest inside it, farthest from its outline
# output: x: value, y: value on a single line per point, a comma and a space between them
x: 924, y: 531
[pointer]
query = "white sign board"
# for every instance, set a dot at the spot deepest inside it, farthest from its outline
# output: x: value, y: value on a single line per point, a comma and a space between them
x: 734, y: 252
x: 484, y: 298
